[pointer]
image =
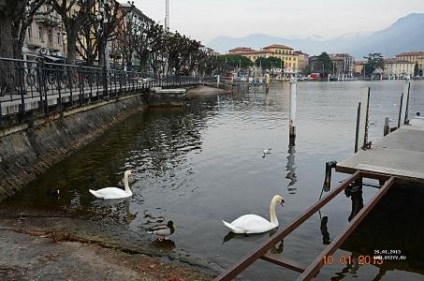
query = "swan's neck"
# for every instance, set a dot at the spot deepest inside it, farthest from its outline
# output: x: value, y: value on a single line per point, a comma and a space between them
x: 126, y: 184
x: 272, y: 214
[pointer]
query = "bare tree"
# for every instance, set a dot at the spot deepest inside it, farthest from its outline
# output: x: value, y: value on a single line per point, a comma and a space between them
x: 15, y: 17
x: 182, y: 52
x: 127, y: 37
x: 148, y: 42
x: 88, y: 41
x: 21, y: 23
x: 99, y: 29
x: 9, y: 9
x: 74, y: 13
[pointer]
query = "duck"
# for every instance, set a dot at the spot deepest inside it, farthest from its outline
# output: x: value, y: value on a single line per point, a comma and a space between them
x: 114, y: 192
x: 53, y: 193
x: 254, y: 224
x: 163, y: 231
x: 266, y: 151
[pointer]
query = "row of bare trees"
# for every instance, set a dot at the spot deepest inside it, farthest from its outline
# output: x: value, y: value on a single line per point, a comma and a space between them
x: 85, y: 27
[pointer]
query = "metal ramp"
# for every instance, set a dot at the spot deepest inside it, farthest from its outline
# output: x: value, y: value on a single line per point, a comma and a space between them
x: 312, y: 270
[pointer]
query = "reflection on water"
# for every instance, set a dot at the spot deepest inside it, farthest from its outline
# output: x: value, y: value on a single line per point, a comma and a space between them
x: 354, y: 191
x: 324, y: 231
x: 276, y: 249
x: 200, y: 164
x: 291, y: 170
x: 165, y: 245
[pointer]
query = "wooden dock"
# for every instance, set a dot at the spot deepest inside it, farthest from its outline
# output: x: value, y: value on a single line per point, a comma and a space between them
x: 399, y: 154
x: 398, y: 157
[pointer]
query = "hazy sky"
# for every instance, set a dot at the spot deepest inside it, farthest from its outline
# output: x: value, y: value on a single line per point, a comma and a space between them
x: 321, y: 19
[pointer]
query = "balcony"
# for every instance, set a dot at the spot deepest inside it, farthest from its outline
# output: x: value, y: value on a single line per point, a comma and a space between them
x: 54, y: 46
x: 48, y: 20
x: 33, y: 43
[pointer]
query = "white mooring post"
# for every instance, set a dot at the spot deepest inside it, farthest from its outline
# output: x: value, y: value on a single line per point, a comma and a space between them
x: 267, y: 82
x: 292, y: 124
x: 217, y: 81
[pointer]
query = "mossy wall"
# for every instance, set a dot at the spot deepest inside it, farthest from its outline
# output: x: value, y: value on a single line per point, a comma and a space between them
x: 29, y: 149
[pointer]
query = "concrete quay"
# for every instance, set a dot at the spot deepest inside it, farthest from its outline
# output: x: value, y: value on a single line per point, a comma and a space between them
x: 399, y: 154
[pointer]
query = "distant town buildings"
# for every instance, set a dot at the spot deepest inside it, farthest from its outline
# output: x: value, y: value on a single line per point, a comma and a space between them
x: 293, y: 60
x: 342, y: 65
x: 395, y: 68
x: 46, y: 36
x: 415, y: 57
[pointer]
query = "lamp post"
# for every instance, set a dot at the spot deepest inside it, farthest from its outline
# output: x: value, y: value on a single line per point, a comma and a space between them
x: 103, y: 20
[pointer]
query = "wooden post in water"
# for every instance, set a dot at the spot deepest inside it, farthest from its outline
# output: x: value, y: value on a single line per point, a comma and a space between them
x: 361, y: 141
x: 267, y: 81
x: 386, y: 126
x: 217, y: 81
x: 292, y: 125
x: 407, y: 87
x: 400, y: 110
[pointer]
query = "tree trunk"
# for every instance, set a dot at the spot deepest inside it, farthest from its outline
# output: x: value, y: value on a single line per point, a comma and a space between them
x: 71, y: 45
x: 7, y: 71
x: 6, y: 42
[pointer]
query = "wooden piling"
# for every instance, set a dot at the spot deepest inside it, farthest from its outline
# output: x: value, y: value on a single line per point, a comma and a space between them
x: 267, y: 81
x: 292, y: 125
x: 386, y: 126
x: 362, y: 121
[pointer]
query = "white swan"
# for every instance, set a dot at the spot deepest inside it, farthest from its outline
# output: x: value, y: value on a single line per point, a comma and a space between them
x: 251, y: 223
x: 114, y: 192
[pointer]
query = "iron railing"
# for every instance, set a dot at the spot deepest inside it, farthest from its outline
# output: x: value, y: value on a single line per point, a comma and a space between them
x: 40, y: 86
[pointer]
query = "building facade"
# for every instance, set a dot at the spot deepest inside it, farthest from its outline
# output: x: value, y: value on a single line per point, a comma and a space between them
x: 413, y: 57
x: 289, y: 57
x: 45, y: 36
x: 342, y: 65
x: 398, y: 69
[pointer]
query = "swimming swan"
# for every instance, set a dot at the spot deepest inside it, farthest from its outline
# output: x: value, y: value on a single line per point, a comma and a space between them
x: 114, y: 192
x: 249, y: 224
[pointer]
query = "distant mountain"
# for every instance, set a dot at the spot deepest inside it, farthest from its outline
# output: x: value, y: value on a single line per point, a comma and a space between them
x: 406, y: 34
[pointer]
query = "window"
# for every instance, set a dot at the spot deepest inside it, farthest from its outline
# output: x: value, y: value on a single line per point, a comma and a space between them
x: 29, y: 32
x: 58, y: 39
x: 50, y: 36
x: 40, y: 33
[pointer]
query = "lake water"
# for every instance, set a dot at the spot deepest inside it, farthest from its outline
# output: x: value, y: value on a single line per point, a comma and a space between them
x: 200, y: 164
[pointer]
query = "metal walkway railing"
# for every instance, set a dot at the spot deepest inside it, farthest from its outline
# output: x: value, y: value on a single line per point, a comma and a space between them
x: 309, y: 272
x: 27, y: 85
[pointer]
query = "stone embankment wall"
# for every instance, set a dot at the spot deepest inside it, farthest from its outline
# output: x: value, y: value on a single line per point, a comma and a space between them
x: 26, y: 151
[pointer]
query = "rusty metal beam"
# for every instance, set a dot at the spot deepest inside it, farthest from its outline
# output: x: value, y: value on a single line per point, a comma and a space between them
x: 313, y: 269
x: 234, y: 270
x: 284, y: 262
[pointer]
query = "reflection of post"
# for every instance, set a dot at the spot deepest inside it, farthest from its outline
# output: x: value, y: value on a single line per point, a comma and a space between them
x: 350, y: 269
x: 291, y: 169
x: 354, y: 191
x: 292, y: 126
x: 129, y: 216
x: 324, y: 231
x: 267, y: 81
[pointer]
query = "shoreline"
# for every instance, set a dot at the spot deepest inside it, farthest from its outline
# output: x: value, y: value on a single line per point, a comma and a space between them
x: 45, y: 253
